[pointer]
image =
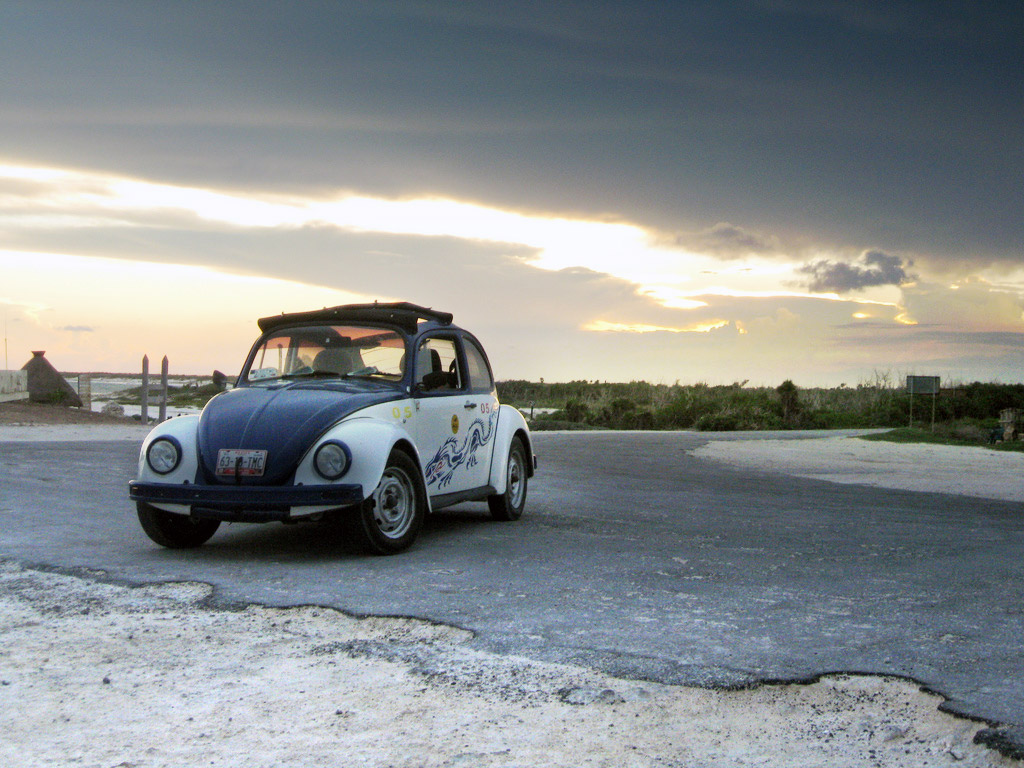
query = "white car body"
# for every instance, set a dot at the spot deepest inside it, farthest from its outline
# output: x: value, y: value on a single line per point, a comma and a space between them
x: 252, y: 456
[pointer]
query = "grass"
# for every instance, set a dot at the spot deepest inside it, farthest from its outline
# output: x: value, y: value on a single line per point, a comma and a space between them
x: 965, y: 413
x: 963, y: 432
x: 177, y: 397
x: 641, y: 405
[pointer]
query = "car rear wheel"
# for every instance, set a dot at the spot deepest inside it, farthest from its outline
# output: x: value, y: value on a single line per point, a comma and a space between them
x: 172, y: 530
x: 510, y: 504
x: 389, y: 521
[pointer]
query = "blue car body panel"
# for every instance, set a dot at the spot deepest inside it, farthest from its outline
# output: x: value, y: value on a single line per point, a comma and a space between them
x: 355, y: 376
x: 283, y: 420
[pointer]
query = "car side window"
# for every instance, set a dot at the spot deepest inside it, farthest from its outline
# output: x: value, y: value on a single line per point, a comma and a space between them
x: 480, y: 379
x: 437, y: 365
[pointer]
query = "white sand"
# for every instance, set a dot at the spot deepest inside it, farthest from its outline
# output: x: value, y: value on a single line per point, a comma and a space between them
x: 95, y: 674
x: 913, y: 467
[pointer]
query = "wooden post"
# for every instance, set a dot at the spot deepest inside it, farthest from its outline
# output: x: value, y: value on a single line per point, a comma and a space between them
x: 144, y: 395
x: 85, y: 390
x: 163, y: 390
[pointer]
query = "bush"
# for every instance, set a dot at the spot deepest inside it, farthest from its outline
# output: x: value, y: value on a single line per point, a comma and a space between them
x: 547, y: 424
x: 881, y: 402
x: 576, y: 410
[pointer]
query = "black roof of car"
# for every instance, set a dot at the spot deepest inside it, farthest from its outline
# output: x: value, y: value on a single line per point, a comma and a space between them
x: 402, y: 313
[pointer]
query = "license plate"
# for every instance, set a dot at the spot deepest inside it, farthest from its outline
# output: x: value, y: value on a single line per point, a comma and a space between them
x: 235, y: 462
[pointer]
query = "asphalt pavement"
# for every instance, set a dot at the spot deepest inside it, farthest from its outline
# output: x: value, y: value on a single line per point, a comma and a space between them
x: 633, y: 557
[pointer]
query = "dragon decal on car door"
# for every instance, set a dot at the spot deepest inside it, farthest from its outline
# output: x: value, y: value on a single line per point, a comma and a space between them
x: 451, y: 455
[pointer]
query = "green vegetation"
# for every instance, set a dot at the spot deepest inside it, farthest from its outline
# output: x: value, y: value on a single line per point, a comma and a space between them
x: 640, y: 405
x: 177, y: 397
x: 959, y: 432
x: 964, y: 415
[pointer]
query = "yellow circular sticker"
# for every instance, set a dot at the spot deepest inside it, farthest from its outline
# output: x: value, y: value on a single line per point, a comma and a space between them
x: 455, y: 424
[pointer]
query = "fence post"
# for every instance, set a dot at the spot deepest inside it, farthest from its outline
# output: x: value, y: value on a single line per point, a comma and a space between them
x: 163, y: 390
x: 85, y: 390
x: 145, y: 389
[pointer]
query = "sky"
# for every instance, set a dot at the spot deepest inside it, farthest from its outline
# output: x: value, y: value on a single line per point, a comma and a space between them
x: 719, y: 192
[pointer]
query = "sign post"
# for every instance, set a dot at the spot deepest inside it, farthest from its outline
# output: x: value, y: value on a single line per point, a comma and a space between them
x: 922, y: 385
x: 144, y: 394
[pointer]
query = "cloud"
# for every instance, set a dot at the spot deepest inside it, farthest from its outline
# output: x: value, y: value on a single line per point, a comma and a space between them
x: 95, y: 213
x: 77, y: 329
x: 484, y: 265
x: 729, y: 241
x: 604, y: 326
x: 1009, y: 340
x: 972, y: 304
x: 873, y: 269
x: 696, y: 113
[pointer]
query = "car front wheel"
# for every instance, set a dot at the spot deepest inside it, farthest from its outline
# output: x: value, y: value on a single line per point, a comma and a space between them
x: 509, y: 505
x: 389, y: 521
x: 174, y: 531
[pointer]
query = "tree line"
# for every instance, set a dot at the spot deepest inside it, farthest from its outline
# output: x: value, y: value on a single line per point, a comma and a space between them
x: 882, y: 402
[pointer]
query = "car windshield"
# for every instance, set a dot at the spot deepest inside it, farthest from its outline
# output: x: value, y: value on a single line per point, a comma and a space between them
x: 333, y: 351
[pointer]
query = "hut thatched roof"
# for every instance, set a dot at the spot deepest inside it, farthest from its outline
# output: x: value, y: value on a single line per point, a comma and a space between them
x: 46, y: 385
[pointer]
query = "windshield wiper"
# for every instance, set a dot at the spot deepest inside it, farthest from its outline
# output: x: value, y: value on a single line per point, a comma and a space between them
x: 309, y: 374
x: 369, y: 371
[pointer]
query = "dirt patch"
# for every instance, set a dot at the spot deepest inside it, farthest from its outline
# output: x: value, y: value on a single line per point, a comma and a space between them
x: 25, y: 413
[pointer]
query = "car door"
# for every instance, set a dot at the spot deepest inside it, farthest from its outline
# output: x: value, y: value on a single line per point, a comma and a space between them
x: 454, y: 428
x: 483, y: 398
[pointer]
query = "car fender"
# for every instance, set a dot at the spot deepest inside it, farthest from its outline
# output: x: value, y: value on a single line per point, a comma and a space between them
x: 510, y: 423
x: 369, y: 441
x: 181, y: 430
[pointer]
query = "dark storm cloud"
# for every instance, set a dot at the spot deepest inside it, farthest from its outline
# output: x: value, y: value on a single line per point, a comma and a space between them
x: 728, y: 240
x: 873, y: 269
x: 856, y: 122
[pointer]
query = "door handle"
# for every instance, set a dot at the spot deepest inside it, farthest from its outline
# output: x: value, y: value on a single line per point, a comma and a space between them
x: 469, y: 406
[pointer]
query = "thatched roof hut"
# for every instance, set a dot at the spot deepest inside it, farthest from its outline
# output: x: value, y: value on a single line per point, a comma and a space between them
x: 46, y: 385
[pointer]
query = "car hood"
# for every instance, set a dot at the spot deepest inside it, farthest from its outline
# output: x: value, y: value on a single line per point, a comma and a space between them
x: 282, y: 420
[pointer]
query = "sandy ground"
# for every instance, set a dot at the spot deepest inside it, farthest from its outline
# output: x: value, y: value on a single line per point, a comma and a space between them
x: 94, y: 673
x: 913, y: 467
x: 98, y: 674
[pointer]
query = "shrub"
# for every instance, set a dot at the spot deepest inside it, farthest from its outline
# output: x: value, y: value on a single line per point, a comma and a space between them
x: 880, y: 402
x: 576, y: 410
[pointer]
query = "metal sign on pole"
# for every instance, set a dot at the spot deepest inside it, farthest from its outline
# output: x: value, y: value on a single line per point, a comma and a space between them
x: 922, y: 385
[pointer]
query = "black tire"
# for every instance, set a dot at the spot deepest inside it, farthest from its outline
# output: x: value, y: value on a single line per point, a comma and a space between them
x: 390, y: 519
x: 510, y: 504
x: 174, y: 531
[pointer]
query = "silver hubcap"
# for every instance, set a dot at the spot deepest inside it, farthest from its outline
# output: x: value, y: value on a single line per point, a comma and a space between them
x: 516, y: 474
x: 394, y: 503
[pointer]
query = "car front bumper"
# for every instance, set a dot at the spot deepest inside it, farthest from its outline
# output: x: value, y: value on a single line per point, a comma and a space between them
x: 247, y: 503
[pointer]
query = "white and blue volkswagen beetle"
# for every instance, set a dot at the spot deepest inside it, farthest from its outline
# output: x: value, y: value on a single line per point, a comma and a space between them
x: 372, y: 413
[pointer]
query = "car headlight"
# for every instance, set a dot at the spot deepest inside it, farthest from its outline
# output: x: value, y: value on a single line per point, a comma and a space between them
x: 332, y: 460
x: 163, y: 455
